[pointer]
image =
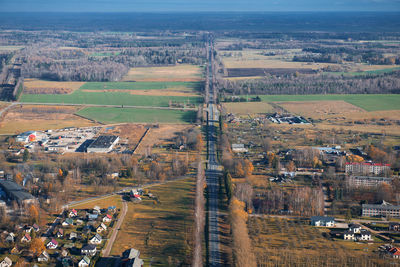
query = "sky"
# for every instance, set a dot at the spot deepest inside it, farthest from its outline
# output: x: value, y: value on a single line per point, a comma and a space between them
x: 196, y: 5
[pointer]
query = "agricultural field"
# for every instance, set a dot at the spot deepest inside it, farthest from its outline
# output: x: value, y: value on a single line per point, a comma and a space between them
x: 244, y: 108
x: 279, y: 241
x: 137, y: 115
x: 35, y: 117
x: 178, y: 73
x: 35, y: 86
x: 161, y: 229
x: 103, y: 203
x: 10, y: 48
x: 368, y: 102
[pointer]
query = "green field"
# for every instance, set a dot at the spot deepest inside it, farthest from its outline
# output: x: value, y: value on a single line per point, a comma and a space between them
x: 139, y: 85
x: 137, y: 115
x: 372, y: 102
x: 109, y: 98
x: 368, y: 72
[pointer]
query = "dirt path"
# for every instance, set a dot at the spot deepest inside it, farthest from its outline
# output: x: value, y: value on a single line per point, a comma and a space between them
x: 110, y: 243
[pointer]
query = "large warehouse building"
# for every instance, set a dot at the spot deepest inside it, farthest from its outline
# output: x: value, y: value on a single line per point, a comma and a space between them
x: 103, y: 144
x: 13, y: 191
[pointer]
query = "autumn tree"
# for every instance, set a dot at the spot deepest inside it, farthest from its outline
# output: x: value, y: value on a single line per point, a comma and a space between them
x: 248, y: 167
x: 37, y: 246
x: 33, y: 213
x: 291, y: 167
x: 18, y: 178
x: 239, y: 171
x: 199, y: 143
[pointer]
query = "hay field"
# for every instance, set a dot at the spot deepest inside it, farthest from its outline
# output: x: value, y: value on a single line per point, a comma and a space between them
x: 178, y: 73
x: 50, y: 87
x: 244, y: 108
x: 160, y: 230
x: 137, y: 115
x: 35, y: 117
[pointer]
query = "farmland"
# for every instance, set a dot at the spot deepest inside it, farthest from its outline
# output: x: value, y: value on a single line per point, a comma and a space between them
x: 161, y: 230
x: 139, y: 85
x: 137, y: 115
x: 179, y: 73
x: 33, y: 86
x: 243, y: 108
x: 370, y: 102
x: 30, y: 117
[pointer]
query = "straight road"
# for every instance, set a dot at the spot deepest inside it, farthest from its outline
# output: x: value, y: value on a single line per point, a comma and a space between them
x: 110, y: 243
x: 212, y: 173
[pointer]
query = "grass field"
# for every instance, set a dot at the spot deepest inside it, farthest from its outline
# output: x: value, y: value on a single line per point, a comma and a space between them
x: 367, y: 72
x: 370, y: 102
x: 178, y: 73
x: 161, y: 231
x: 140, y: 85
x: 247, y: 108
x: 103, y: 203
x: 137, y: 115
x: 109, y: 98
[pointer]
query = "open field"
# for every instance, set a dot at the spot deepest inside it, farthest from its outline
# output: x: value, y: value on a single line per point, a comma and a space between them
x: 10, y: 48
x: 161, y: 230
x: 131, y: 132
x: 243, y: 108
x: 103, y: 203
x: 32, y: 117
x: 137, y: 115
x: 160, y: 135
x: 178, y: 73
x: 371, y: 102
x: 140, y: 85
x: 109, y: 98
x: 283, y: 242
x: 33, y: 86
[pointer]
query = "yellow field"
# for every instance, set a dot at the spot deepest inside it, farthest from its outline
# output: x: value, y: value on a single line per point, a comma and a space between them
x: 160, y: 230
x: 30, y: 117
x: 51, y: 86
x: 179, y: 73
x: 243, y: 108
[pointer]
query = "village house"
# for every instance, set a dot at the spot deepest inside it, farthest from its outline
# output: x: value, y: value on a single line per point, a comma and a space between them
x: 73, y: 236
x: 10, y: 238
x: 28, y: 229
x: 44, y: 256
x: 393, y: 226
x: 73, y: 213
x: 53, y: 244
x: 68, y: 222
x: 96, y: 210
x: 26, y: 238
x: 357, y: 234
x: 93, y: 217
x: 60, y: 233
x: 323, y: 221
x: 130, y: 258
x: 96, y: 239
x: 7, y: 262
x: 394, y: 252
x: 112, y: 209
x: 102, y: 227
x: 36, y: 227
x: 85, y: 262
x: 89, y: 250
x: 107, y: 218
x: 79, y: 222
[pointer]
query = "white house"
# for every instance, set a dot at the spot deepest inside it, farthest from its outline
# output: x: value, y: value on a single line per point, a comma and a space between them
x: 96, y: 239
x: 102, y: 227
x: 6, y: 262
x: 44, y: 256
x: 85, y: 262
x: 349, y: 235
x: 239, y: 148
x: 323, y: 221
x: 89, y: 250
x: 10, y: 238
x: 365, y: 235
x: 53, y: 244
x: 107, y: 218
x: 73, y: 213
x: 355, y: 228
x: 26, y: 238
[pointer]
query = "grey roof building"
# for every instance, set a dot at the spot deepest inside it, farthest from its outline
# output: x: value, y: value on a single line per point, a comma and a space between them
x: 103, y: 144
x: 384, y: 209
x: 16, y: 192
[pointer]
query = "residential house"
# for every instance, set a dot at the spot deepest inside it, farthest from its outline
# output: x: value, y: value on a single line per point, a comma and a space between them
x: 60, y: 233
x: 7, y: 262
x: 89, y: 250
x: 85, y: 262
x: 379, y: 210
x: 10, y: 238
x: 130, y: 258
x: 107, y: 218
x: 28, y: 229
x: 355, y: 228
x: 36, y: 227
x: 393, y: 226
x: 68, y: 222
x: 366, y: 168
x: 53, y: 244
x: 79, y: 222
x: 64, y: 252
x: 112, y: 209
x: 26, y: 238
x: 323, y: 221
x: 357, y: 234
x: 365, y: 235
x: 93, y: 217
x: 73, y: 213
x: 394, y: 252
x: 239, y: 148
x: 73, y: 236
x: 349, y: 235
x: 102, y: 227
x: 96, y: 210
x: 96, y: 239
x: 44, y: 256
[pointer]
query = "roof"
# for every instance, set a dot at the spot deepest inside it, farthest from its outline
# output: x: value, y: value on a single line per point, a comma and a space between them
x: 109, y: 216
x: 8, y: 260
x: 86, y: 259
x: 103, y: 141
x: 322, y: 218
x: 27, y: 236
x: 97, y: 236
x: 384, y: 206
x: 53, y: 241
x: 74, y: 211
x: 17, y: 191
x: 89, y: 247
x: 131, y: 253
